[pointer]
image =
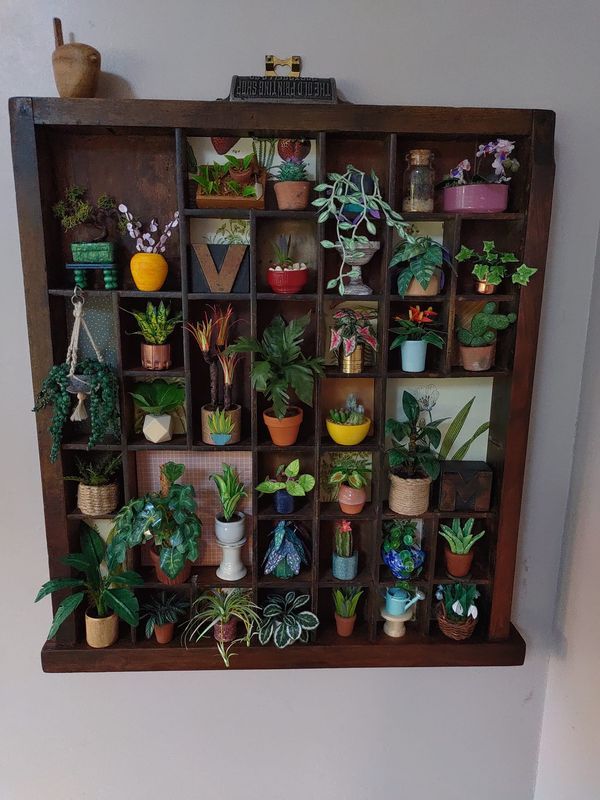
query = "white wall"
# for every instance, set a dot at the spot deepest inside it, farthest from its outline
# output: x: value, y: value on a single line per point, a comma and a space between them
x: 356, y: 734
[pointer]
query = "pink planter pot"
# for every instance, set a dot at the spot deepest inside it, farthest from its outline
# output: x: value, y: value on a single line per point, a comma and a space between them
x: 476, y: 198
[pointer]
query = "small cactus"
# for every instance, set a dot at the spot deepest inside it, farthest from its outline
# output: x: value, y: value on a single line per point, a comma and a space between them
x: 483, y: 327
x: 344, y: 546
x: 351, y: 414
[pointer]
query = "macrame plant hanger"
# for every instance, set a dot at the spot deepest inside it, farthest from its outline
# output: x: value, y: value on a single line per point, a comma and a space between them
x: 78, y: 384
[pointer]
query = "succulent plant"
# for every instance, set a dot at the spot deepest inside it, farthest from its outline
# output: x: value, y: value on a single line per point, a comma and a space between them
x: 156, y: 323
x: 346, y: 599
x: 344, y: 545
x: 292, y: 169
x: 459, y: 537
x: 353, y: 413
x: 483, y: 327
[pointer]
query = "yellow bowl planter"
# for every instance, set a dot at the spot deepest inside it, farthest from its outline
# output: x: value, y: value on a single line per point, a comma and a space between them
x: 347, y: 434
x: 149, y: 271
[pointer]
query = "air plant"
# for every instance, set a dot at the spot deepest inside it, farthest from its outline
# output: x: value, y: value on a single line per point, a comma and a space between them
x: 212, y: 336
x: 145, y: 242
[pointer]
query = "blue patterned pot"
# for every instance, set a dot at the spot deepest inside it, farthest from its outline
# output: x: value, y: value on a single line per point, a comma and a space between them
x: 392, y: 560
x: 344, y: 568
x: 283, y: 502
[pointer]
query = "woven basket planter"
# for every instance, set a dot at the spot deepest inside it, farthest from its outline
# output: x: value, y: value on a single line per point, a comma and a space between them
x: 409, y: 496
x: 454, y: 630
x: 94, y: 501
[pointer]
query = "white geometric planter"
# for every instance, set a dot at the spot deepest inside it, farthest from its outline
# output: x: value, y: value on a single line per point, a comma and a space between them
x: 158, y: 428
x: 230, y: 532
x: 231, y: 567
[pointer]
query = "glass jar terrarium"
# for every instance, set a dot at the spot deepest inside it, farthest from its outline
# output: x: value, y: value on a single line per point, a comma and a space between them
x: 419, y: 182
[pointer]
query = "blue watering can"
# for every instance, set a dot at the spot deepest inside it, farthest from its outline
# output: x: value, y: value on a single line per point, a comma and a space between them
x: 398, y: 601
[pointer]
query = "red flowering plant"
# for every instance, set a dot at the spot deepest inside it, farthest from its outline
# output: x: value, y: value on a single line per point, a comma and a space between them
x: 353, y: 327
x: 414, y: 329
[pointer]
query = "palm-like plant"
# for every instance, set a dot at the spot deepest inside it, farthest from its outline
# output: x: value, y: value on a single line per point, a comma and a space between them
x: 413, y: 443
x: 212, y: 337
x: 218, y: 607
x: 280, y: 364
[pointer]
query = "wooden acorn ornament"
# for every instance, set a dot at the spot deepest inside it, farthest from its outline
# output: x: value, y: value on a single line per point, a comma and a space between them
x: 76, y: 66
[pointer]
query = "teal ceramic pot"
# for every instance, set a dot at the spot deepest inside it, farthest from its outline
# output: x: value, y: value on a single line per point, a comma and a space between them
x: 344, y: 568
x: 220, y: 438
x: 413, y: 356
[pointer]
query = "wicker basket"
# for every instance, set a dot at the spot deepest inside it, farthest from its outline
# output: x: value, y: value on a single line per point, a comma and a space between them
x: 235, y: 412
x: 409, y: 496
x: 454, y: 630
x: 94, y: 501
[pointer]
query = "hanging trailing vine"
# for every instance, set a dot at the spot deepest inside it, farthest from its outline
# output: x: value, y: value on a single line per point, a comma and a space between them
x: 103, y: 400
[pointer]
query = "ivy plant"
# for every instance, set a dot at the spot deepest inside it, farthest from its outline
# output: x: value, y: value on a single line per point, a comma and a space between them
x: 492, y: 266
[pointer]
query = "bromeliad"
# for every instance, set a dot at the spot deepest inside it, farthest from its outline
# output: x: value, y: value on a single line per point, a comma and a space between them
x: 413, y: 329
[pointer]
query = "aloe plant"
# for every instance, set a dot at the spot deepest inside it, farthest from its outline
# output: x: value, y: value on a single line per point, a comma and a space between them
x: 220, y: 422
x: 285, y: 622
x: 346, y: 600
x: 460, y: 537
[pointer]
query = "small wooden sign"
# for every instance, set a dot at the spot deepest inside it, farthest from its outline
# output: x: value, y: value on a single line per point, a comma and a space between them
x: 465, y: 486
x: 282, y: 89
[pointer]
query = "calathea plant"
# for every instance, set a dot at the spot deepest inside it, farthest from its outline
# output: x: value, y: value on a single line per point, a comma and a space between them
x: 285, y: 620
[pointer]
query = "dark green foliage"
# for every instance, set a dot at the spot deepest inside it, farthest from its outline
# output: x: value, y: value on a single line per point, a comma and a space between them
x: 346, y: 600
x: 102, y: 401
x: 492, y: 266
x: 96, y: 473
x: 163, y: 609
x: 291, y: 170
x: 424, y: 255
x: 74, y: 210
x: 484, y: 325
x: 285, y: 622
x: 159, y: 396
x: 106, y: 591
x: 280, y: 364
x: 413, y: 442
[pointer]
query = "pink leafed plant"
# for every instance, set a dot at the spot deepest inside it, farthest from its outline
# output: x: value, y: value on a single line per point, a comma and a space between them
x: 353, y: 327
x: 145, y: 241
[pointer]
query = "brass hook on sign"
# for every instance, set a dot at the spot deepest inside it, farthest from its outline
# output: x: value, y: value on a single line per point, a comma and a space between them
x: 293, y: 62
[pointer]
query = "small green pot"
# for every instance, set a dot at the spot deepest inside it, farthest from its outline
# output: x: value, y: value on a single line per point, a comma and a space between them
x: 93, y: 252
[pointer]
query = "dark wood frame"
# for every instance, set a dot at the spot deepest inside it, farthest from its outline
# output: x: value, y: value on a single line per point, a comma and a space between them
x: 499, y: 643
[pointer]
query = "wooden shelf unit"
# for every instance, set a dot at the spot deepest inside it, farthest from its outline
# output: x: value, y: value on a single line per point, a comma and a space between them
x: 136, y: 151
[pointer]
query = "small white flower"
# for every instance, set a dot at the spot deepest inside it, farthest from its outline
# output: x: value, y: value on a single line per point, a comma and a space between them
x: 129, y: 227
x: 472, y: 612
x: 123, y: 208
x: 139, y: 242
x: 162, y: 249
x: 457, y: 608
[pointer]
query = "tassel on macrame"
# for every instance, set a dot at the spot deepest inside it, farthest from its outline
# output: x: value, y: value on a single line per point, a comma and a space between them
x: 80, y: 411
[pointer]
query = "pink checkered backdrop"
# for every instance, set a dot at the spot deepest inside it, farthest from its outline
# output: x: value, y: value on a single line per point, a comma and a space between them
x: 198, y: 466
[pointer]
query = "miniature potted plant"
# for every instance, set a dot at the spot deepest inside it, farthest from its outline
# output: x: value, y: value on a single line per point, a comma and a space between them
x: 399, y: 549
x: 481, y: 193
x: 348, y: 476
x: 348, y: 425
x: 345, y: 601
x: 242, y: 170
x: 97, y: 381
x: 353, y: 330
x: 286, y: 621
x: 168, y: 520
x: 212, y: 337
x: 412, y: 458
x: 97, y: 491
x: 161, y: 613
x: 478, y: 341
x: 279, y: 365
x: 287, y: 484
x: 106, y: 588
x: 221, y: 427
x: 155, y: 325
x: 351, y: 200
x: 292, y: 187
x: 423, y: 274
x: 218, y: 185
x: 286, y: 276
x: 492, y: 266
x: 286, y: 551
x: 158, y: 400
x: 412, y: 337
x: 459, y: 550
x: 456, y: 611
x: 344, y: 559
x: 220, y: 611
x: 73, y: 212
x: 229, y: 525
x: 149, y: 268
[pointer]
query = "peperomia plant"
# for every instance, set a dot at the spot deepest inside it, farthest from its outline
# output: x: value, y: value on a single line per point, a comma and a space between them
x: 499, y: 150
x: 482, y: 329
x: 413, y: 442
x: 492, y: 266
x: 288, y: 477
x: 168, y: 518
x: 285, y: 622
x: 146, y: 242
x: 353, y: 199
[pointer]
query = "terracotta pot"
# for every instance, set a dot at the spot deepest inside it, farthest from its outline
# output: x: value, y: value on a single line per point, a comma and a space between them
x: 409, y: 496
x: 235, y: 413
x: 243, y: 176
x: 458, y: 564
x: 149, y: 271
x: 284, y: 432
x: 155, y: 356
x: 477, y: 359
x: 164, y: 633
x: 290, y: 281
x: 101, y: 631
x: 225, y: 631
x: 477, y: 198
x: 344, y: 625
x: 433, y: 287
x: 352, y: 501
x: 292, y: 195
x: 354, y: 362
x: 161, y: 576
x: 483, y: 287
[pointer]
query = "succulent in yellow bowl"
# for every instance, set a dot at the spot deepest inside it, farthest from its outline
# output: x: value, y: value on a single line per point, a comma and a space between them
x: 348, y: 425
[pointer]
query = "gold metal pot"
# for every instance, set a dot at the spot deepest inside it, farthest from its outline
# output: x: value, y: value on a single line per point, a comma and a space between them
x: 354, y: 362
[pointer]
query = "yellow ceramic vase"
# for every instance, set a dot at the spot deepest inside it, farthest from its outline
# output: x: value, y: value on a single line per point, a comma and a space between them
x: 347, y: 434
x: 149, y: 271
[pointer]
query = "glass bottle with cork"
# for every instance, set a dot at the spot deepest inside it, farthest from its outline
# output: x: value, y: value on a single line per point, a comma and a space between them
x: 419, y: 182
